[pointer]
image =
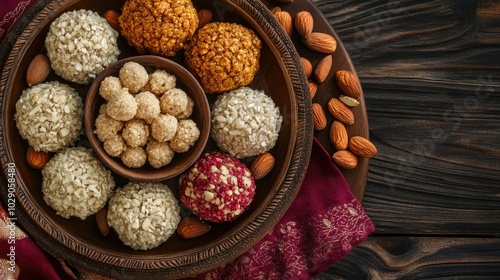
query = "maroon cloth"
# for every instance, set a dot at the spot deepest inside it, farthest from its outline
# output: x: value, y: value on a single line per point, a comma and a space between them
x: 10, y: 10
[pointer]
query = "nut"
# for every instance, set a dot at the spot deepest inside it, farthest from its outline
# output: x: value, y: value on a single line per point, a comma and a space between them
x: 348, y: 83
x: 340, y: 111
x: 101, y: 218
x: 323, y: 68
x: 37, y: 159
x: 111, y: 16
x: 319, y: 117
x: 38, y: 70
x: 338, y: 136
x: 204, y: 17
x: 306, y: 64
x: 320, y: 42
x: 262, y: 165
x: 191, y: 227
x: 275, y: 9
x: 362, y: 147
x: 313, y: 88
x: 285, y: 20
x: 345, y: 159
x: 304, y: 23
x: 349, y: 101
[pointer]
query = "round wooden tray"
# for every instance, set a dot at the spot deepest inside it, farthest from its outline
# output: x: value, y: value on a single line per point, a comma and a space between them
x: 260, y: 222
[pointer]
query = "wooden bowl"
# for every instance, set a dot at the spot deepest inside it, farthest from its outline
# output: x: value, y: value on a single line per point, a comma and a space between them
x: 79, y: 242
x: 201, y: 116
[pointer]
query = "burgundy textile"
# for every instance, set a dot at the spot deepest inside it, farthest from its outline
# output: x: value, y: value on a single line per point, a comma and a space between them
x: 10, y: 10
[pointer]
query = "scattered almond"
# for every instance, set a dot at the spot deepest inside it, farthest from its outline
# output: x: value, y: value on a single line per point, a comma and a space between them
x: 348, y: 83
x: 345, y: 159
x: 323, y: 68
x: 37, y: 159
x: 319, y: 117
x: 320, y: 42
x: 362, y: 147
x: 313, y: 88
x: 275, y: 9
x: 306, y: 64
x: 349, y: 101
x: 262, y: 165
x: 191, y: 227
x: 101, y: 218
x: 304, y: 23
x: 338, y: 136
x: 111, y: 16
x: 340, y: 111
x: 285, y: 20
x: 38, y: 70
x: 204, y: 17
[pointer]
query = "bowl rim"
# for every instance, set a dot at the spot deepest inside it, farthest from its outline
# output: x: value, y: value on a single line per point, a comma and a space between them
x: 282, y: 48
x: 113, y: 163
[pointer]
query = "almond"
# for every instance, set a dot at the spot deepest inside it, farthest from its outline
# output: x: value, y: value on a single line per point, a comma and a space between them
x: 191, y: 227
x: 313, y: 88
x: 304, y: 23
x: 306, y: 64
x: 38, y: 70
x: 204, y: 17
x: 37, y: 159
x: 275, y: 9
x: 348, y: 83
x: 345, y: 159
x: 349, y: 101
x: 338, y: 136
x: 262, y: 165
x: 320, y: 42
x: 285, y: 20
x: 362, y: 147
x: 319, y: 117
x: 340, y: 111
x: 323, y: 68
x: 111, y: 16
x: 101, y: 218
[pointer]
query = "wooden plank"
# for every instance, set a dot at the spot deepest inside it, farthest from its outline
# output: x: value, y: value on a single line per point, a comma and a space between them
x: 431, y: 76
x: 404, y: 257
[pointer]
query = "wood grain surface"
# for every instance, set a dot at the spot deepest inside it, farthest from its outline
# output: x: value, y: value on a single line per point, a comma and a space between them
x: 430, y: 72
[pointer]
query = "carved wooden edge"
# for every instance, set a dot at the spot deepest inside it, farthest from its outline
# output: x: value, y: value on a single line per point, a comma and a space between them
x: 82, y: 255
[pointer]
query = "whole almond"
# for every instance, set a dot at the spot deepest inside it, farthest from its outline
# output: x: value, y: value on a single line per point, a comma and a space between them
x: 36, y: 159
x: 204, y: 17
x: 262, y: 165
x: 101, y: 218
x: 349, y: 101
x: 111, y: 16
x: 306, y: 64
x: 340, y: 111
x: 304, y: 23
x: 320, y: 42
x: 362, y: 147
x: 348, y: 83
x: 319, y: 117
x: 313, y: 88
x: 345, y: 159
x: 275, y: 9
x: 338, y: 136
x: 285, y: 20
x: 191, y: 227
x: 323, y: 68
x: 38, y: 70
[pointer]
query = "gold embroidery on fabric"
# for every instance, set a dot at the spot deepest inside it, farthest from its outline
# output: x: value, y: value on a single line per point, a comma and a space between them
x: 6, y: 272
x: 21, y: 6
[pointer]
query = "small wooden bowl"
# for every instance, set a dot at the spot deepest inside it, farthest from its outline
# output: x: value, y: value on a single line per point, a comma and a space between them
x: 201, y: 116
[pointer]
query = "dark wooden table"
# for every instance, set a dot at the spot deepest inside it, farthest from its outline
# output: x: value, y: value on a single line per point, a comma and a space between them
x: 430, y: 71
